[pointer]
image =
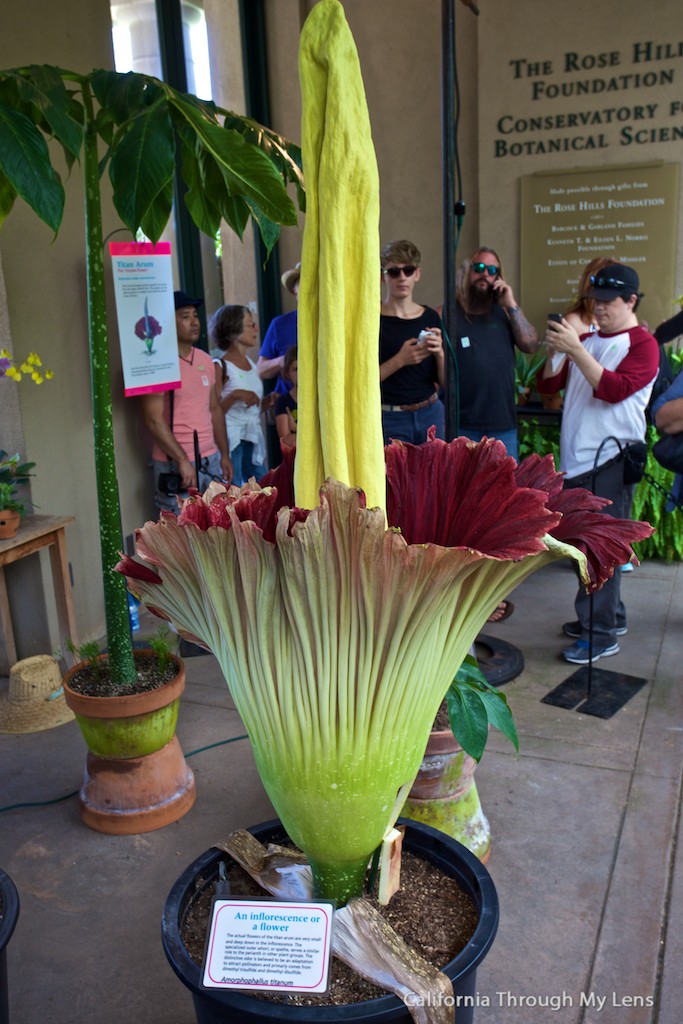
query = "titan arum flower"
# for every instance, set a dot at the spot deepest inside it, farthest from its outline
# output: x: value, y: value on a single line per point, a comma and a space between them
x: 339, y: 637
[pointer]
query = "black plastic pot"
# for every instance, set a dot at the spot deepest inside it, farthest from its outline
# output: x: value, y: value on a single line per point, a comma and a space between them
x: 236, y: 1007
x: 9, y: 905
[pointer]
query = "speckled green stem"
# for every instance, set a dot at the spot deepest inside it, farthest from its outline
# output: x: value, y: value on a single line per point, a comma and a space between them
x: 340, y: 882
x: 119, y: 641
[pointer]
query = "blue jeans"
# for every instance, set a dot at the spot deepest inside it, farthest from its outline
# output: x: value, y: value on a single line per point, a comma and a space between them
x: 243, y: 464
x: 508, y: 437
x: 413, y: 426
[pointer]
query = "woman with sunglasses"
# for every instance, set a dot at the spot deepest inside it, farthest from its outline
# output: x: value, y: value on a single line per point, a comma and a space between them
x: 580, y: 312
x: 410, y: 351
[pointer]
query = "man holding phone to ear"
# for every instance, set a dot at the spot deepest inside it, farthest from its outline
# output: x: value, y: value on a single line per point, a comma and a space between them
x: 489, y: 326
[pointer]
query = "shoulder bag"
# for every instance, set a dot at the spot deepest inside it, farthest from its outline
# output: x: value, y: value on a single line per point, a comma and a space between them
x: 668, y: 452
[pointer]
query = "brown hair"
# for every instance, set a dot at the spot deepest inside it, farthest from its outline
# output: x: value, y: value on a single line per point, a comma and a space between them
x: 226, y: 325
x: 401, y: 251
x: 582, y: 305
x: 290, y: 357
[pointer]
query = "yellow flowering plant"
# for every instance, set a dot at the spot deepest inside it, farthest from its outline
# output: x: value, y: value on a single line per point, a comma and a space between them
x: 30, y: 367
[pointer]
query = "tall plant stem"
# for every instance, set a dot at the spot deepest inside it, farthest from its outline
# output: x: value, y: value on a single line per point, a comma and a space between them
x: 338, y: 881
x: 120, y: 645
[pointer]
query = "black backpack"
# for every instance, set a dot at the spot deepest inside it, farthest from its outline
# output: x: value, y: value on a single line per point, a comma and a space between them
x: 666, y: 331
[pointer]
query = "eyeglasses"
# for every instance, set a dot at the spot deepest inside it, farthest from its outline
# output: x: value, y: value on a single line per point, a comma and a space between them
x: 607, y: 282
x: 397, y: 271
x: 491, y: 269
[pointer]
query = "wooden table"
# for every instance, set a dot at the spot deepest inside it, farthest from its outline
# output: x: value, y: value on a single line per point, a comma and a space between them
x: 38, y: 532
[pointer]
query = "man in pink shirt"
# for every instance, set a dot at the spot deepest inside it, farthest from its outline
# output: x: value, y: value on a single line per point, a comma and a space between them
x: 172, y: 421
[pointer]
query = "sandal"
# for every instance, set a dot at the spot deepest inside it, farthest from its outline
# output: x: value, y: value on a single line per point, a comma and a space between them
x: 502, y: 612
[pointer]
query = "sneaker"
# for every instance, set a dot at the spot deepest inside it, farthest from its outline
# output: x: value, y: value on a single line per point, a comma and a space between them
x: 578, y: 652
x: 573, y: 629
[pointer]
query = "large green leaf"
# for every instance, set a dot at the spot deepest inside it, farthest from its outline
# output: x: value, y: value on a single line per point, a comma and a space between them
x: 142, y: 163
x: 198, y: 197
x: 7, y: 196
x: 246, y: 169
x: 121, y: 96
x: 473, y: 704
x: 499, y: 714
x: 270, y: 232
x: 25, y: 161
x: 235, y: 213
x: 158, y: 214
x: 469, y: 720
x: 285, y: 155
x: 43, y: 86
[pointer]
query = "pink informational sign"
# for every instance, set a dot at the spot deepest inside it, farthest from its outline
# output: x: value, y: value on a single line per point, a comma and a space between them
x: 143, y: 286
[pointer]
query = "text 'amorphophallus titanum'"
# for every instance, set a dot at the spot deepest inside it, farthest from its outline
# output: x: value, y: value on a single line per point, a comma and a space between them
x: 339, y: 637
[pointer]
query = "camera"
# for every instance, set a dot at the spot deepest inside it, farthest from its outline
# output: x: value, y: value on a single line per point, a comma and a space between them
x: 170, y: 483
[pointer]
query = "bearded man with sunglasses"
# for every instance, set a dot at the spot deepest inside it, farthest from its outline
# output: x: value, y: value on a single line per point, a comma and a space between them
x: 489, y: 326
x: 607, y: 377
x: 410, y: 351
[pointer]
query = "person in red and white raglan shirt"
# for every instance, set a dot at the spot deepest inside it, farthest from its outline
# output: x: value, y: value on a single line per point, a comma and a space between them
x: 607, y: 377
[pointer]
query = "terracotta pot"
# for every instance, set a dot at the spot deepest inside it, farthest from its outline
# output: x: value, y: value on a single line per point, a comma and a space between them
x: 240, y: 1007
x: 444, y: 795
x: 9, y: 523
x: 136, y: 778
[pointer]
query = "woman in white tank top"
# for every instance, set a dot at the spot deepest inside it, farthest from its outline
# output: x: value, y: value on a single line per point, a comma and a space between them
x: 233, y: 330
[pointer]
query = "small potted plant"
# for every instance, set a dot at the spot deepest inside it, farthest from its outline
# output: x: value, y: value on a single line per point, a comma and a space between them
x: 526, y: 369
x: 444, y: 794
x: 13, y: 474
x: 136, y: 778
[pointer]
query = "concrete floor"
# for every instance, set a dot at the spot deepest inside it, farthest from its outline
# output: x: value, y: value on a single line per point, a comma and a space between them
x: 585, y: 825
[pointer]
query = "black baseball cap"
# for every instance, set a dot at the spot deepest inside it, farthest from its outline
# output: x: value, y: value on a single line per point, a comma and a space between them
x: 182, y: 299
x: 612, y: 281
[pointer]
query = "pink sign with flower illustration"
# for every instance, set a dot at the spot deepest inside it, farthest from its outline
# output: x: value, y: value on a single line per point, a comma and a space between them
x: 143, y: 286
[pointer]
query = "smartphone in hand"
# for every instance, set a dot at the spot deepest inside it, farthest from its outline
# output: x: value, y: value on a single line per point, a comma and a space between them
x: 558, y: 359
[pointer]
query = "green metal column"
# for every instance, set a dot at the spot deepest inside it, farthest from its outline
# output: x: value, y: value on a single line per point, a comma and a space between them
x: 173, y: 68
x: 255, y: 63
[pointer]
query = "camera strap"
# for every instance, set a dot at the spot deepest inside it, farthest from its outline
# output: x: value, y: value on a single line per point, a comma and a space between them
x: 170, y: 418
x: 197, y: 456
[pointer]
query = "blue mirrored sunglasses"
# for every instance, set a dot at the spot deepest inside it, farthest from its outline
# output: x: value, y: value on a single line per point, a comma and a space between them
x: 491, y: 269
x: 607, y: 282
